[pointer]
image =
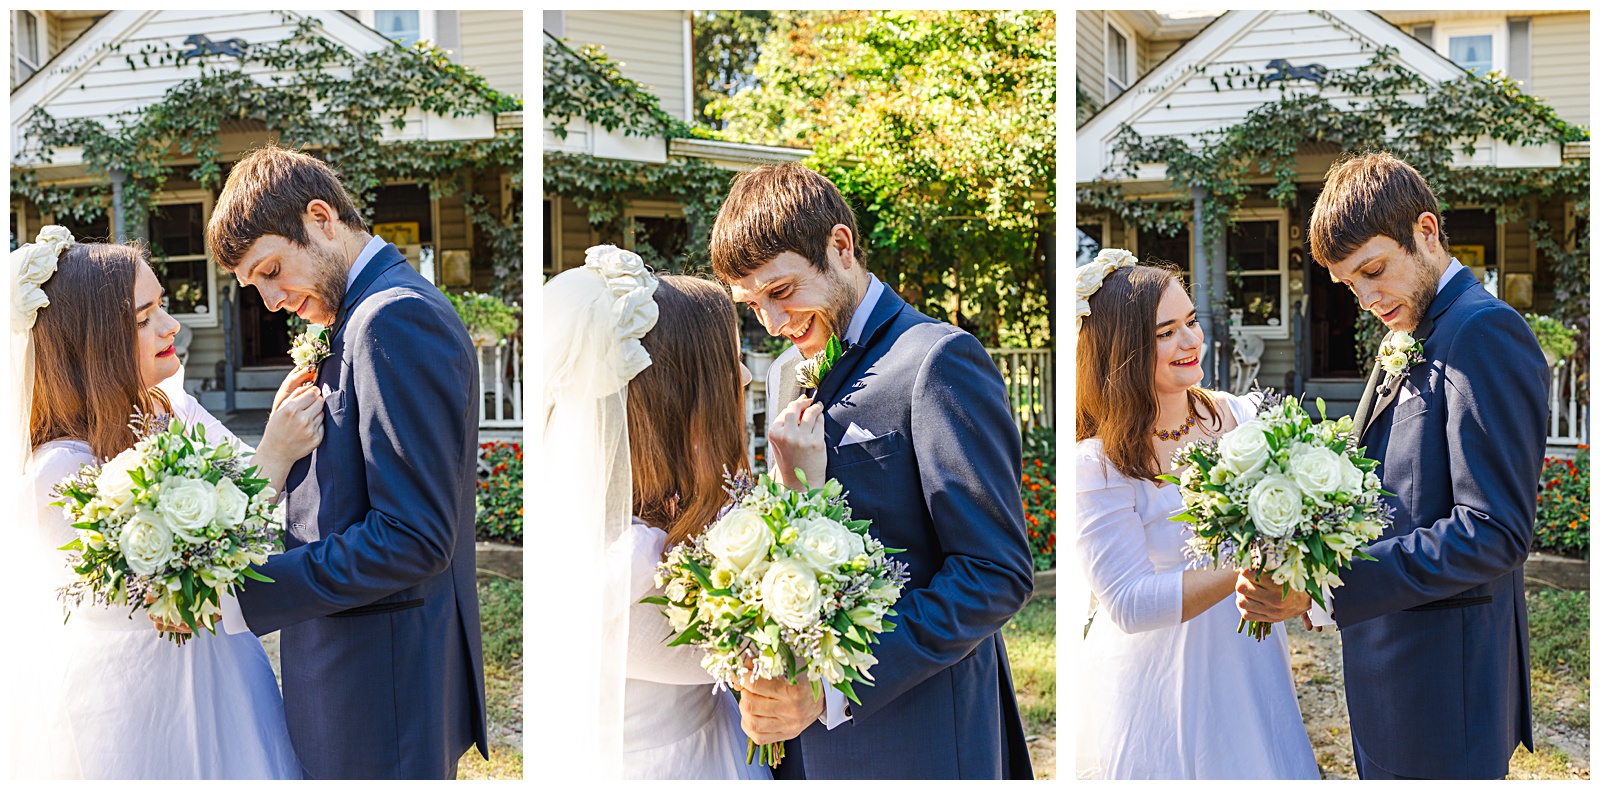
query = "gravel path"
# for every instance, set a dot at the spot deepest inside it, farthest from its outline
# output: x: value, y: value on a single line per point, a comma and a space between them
x: 1319, y: 681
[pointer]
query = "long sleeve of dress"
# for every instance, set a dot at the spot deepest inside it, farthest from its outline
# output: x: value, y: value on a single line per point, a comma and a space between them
x: 1112, y: 550
x: 649, y: 658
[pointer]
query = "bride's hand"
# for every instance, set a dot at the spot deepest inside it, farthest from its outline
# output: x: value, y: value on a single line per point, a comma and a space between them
x: 294, y: 429
x: 292, y: 383
x: 798, y: 442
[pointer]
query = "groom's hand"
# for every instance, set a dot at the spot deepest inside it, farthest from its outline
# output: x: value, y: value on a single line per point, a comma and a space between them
x: 773, y: 710
x: 1258, y: 598
x: 292, y: 384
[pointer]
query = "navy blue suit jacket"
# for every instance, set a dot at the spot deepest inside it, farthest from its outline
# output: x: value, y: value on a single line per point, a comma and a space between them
x: 1436, y: 631
x: 940, y: 480
x: 375, y: 593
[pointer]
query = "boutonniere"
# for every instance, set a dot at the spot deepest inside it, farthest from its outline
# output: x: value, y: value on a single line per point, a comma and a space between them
x: 1397, y: 354
x: 811, y: 372
x: 310, y: 347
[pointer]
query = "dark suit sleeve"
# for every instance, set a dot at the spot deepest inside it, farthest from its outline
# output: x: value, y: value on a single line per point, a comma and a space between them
x: 412, y: 382
x: 968, y: 454
x: 1495, y: 389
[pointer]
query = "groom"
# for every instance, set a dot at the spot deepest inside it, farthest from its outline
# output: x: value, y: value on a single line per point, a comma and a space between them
x: 944, y: 486
x: 1436, y: 631
x: 375, y: 594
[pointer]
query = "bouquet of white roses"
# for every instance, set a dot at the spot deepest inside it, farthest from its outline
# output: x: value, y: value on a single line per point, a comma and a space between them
x: 1284, y: 496
x: 784, y: 583
x: 168, y: 524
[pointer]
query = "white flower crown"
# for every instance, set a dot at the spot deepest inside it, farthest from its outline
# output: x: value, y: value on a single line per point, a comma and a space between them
x: 32, y: 266
x: 1094, y: 273
x: 633, y: 308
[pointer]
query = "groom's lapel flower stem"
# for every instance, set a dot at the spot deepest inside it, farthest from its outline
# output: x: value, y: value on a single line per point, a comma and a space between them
x: 810, y: 373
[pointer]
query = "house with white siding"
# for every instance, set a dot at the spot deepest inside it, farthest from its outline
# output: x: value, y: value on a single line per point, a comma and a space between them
x: 655, y: 49
x: 74, y: 64
x: 1291, y: 328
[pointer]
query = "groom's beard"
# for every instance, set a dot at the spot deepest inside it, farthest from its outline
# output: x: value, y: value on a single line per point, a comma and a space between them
x: 1426, y: 288
x: 329, y: 288
x: 841, y: 305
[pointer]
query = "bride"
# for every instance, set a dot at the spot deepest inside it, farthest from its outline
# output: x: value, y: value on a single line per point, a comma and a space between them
x: 645, y: 409
x: 103, y: 696
x: 1168, y: 689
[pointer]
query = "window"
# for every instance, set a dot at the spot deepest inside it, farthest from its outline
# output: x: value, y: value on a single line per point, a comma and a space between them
x: 1091, y: 239
x: 658, y: 232
x: 1478, y: 47
x: 404, y: 27
x: 1119, y: 61
x: 1258, y: 283
x: 1473, y: 53
x: 178, y: 250
x: 28, y: 40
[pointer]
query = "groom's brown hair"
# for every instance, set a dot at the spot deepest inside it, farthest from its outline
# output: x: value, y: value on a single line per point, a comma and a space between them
x: 1365, y: 197
x: 266, y: 195
x: 775, y: 209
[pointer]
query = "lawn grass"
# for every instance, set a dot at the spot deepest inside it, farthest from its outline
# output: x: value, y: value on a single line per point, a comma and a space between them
x: 1031, y: 646
x: 500, y: 609
x: 1558, y: 631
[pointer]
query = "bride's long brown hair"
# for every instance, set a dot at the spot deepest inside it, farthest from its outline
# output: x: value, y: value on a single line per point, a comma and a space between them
x: 86, y: 382
x: 686, y: 410
x: 1116, y: 370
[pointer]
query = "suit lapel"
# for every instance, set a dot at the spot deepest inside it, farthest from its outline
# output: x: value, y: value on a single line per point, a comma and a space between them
x: 1458, y: 285
x: 889, y: 306
x: 1368, y: 396
x: 387, y: 258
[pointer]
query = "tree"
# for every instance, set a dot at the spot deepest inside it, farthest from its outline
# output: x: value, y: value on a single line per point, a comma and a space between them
x: 726, y: 45
x: 939, y: 127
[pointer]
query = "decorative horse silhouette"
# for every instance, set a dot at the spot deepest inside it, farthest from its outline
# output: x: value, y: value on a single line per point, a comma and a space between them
x: 1285, y: 72
x: 202, y: 46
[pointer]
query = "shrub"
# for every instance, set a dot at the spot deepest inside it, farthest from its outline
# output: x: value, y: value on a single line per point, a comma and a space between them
x: 500, y: 492
x: 1039, y: 495
x: 1561, y: 518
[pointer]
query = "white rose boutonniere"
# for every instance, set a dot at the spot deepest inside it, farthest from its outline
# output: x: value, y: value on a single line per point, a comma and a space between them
x: 310, y: 347
x: 1397, y: 354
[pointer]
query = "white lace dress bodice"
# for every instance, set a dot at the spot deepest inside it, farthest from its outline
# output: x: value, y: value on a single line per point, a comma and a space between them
x: 102, y: 696
x: 1159, y: 698
x: 674, y: 727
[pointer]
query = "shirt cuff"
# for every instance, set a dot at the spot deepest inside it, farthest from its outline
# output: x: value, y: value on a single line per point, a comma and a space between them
x: 835, y: 710
x: 1321, y: 616
x: 232, y: 616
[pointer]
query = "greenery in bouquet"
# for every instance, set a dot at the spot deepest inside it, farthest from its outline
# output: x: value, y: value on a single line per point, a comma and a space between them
x: 1039, y: 495
x: 500, y: 492
x: 1282, y: 495
x: 1561, y: 519
x: 168, y: 525
x: 784, y: 583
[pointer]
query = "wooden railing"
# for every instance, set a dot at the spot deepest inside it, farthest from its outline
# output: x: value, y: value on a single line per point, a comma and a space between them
x: 1569, y: 414
x: 1030, y: 377
x: 500, y: 384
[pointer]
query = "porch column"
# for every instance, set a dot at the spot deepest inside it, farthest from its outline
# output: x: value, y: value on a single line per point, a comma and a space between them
x: 1221, y: 344
x: 1202, y: 268
x: 117, y: 176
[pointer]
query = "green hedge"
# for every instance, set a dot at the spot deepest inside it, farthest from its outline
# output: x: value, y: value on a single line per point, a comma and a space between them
x: 1039, y: 495
x: 1561, y: 521
x: 500, y: 492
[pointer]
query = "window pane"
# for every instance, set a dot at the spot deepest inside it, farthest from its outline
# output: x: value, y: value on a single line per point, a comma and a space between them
x: 1155, y: 250
x: 1117, y: 58
x: 178, y: 230
x: 1473, y: 53
x: 28, y: 37
x: 185, y: 282
x: 1254, y: 246
x: 1258, y: 297
x: 1089, y: 242
x: 402, y: 26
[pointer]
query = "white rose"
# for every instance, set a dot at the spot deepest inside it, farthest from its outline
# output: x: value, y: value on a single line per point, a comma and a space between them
x: 1351, y: 477
x: 791, y: 594
x: 826, y: 545
x: 146, y: 542
x: 114, y: 484
x: 740, y: 538
x: 188, y: 505
x: 1395, y: 363
x: 1318, y: 471
x: 1275, y: 505
x: 1244, y: 449
x: 232, y: 504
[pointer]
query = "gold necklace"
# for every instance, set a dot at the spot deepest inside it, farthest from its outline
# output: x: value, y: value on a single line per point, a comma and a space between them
x: 1164, y: 434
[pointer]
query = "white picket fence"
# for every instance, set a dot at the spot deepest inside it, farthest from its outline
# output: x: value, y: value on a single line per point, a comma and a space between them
x: 1569, y: 415
x: 500, y: 384
x: 1030, y: 377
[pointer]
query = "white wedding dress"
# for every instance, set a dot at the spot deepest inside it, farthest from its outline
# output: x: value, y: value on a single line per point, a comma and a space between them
x: 674, y: 727
x: 103, y: 696
x: 1163, y: 699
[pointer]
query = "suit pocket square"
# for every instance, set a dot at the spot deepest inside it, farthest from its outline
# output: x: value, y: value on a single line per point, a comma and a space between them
x: 874, y: 449
x: 856, y: 434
